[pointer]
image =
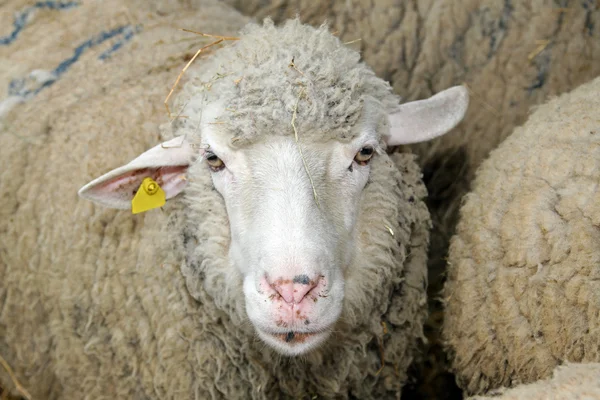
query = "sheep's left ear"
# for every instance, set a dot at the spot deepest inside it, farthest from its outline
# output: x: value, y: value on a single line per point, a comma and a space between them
x: 423, y: 120
x: 166, y: 164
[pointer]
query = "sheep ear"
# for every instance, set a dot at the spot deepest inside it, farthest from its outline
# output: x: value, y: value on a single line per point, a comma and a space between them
x: 166, y: 163
x: 423, y: 120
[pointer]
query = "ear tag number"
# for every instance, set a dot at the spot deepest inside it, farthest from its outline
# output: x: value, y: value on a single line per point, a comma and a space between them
x: 149, y: 195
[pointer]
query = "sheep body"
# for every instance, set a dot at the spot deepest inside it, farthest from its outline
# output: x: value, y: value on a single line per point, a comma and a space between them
x: 568, y: 382
x: 93, y: 301
x: 523, y: 292
x: 50, y: 140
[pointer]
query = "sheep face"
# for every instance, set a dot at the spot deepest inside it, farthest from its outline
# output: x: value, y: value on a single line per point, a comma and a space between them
x: 292, y: 207
x: 292, y: 211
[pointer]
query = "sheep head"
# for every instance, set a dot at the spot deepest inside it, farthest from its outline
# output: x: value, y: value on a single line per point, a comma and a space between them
x: 288, y: 138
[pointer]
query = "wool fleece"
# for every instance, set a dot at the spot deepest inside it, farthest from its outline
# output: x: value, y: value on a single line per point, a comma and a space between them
x: 104, y: 304
x: 98, y: 111
x: 523, y: 289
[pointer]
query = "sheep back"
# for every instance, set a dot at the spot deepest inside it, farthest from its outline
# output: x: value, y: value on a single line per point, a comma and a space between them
x: 523, y: 288
x: 66, y: 299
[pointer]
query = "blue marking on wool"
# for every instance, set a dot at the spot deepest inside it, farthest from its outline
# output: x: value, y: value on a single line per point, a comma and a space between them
x: 20, y: 87
x: 127, y: 35
x: 21, y: 19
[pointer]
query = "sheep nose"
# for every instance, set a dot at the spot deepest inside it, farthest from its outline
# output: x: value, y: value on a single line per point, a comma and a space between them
x: 294, y: 290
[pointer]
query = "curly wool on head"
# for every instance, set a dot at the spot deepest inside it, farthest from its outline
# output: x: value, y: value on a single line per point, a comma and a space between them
x: 260, y: 78
x: 523, y: 288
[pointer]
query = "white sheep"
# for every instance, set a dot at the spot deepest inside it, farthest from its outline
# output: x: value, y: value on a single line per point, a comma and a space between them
x: 511, y: 55
x: 523, y: 288
x: 306, y: 234
x: 292, y: 205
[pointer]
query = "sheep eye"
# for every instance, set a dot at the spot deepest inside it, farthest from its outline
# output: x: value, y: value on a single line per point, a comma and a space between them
x: 364, y: 155
x: 214, y: 162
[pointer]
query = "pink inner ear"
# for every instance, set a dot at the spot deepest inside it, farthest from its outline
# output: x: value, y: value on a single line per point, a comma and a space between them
x: 123, y: 187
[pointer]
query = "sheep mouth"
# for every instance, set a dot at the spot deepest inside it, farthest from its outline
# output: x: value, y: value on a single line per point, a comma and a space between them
x: 293, y: 343
x: 292, y: 337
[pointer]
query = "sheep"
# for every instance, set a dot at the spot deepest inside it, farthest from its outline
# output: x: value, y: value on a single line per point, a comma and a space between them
x: 92, y: 103
x: 522, y: 294
x: 162, y: 304
x: 511, y: 54
x: 569, y: 382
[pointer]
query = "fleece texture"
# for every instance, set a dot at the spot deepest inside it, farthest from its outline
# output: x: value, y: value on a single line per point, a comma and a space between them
x: 97, y: 303
x: 568, y: 382
x: 523, y: 289
x: 512, y: 55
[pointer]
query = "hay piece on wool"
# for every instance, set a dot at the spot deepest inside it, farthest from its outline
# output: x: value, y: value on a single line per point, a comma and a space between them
x: 14, y: 379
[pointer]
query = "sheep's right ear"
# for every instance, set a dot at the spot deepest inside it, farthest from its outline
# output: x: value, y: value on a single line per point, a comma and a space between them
x: 166, y: 163
x: 423, y: 120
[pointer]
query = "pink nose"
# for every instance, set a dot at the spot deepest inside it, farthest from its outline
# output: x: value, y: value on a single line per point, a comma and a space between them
x: 296, y: 289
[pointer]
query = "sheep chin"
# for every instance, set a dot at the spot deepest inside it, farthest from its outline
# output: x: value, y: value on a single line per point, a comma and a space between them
x: 293, y: 343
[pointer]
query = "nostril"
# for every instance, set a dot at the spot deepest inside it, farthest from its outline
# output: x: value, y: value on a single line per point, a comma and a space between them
x: 296, y: 289
x: 302, y: 279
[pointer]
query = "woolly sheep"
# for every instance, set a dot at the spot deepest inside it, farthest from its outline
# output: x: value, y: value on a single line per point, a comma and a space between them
x: 53, y: 142
x: 523, y: 288
x: 149, y: 305
x: 569, y: 382
x: 512, y: 55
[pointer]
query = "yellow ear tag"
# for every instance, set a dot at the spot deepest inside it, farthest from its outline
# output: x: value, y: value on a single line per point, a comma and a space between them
x: 149, y: 195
